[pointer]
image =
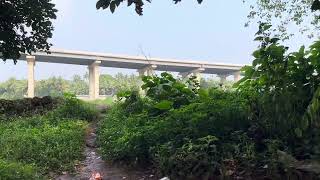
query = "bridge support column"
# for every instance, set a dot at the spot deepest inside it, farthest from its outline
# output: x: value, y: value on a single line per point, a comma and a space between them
x: 147, y: 71
x: 94, y: 75
x: 223, y: 78
x: 31, y: 82
x: 195, y: 72
x: 236, y: 76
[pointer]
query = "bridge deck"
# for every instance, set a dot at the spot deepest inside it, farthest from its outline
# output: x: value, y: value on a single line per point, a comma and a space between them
x: 132, y: 62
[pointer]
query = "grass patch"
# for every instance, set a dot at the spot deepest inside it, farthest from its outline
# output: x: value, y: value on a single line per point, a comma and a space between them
x: 49, y: 145
x: 17, y: 171
x: 105, y: 101
x: 50, y: 141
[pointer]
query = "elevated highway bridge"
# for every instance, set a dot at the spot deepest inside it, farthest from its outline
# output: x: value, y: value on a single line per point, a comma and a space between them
x: 145, y: 66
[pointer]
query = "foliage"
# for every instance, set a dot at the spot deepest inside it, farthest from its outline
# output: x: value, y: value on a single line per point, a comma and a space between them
x: 143, y: 138
x: 17, y: 171
x: 194, y: 160
x: 48, y: 144
x: 285, y: 13
x: 282, y: 13
x: 111, y: 85
x: 74, y: 108
x: 216, y: 133
x: 168, y: 92
x: 113, y: 4
x: 25, y: 26
x: 56, y: 86
x: 285, y: 82
x: 284, y: 90
x: 208, y: 83
x: 106, y: 101
x: 26, y: 107
x: 37, y: 145
x: 133, y: 103
x: 13, y: 89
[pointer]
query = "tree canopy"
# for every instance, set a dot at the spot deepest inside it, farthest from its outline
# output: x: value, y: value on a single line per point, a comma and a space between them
x: 113, y: 4
x: 285, y: 14
x: 25, y: 26
x: 280, y: 13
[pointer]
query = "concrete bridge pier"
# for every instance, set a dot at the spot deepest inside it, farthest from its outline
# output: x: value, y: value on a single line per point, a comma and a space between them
x: 94, y: 74
x: 236, y: 76
x: 223, y: 78
x: 196, y: 72
x: 147, y: 71
x: 31, y: 83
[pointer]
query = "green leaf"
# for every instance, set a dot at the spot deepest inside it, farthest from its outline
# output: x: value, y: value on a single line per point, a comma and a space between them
x: 112, y: 6
x: 164, y: 105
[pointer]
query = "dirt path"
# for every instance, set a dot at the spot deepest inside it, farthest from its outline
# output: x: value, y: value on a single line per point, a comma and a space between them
x: 94, y: 164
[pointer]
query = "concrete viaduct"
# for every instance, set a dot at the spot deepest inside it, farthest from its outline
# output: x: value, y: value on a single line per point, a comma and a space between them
x: 145, y: 66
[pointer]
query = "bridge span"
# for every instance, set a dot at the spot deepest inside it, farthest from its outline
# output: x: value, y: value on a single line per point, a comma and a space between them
x: 144, y: 65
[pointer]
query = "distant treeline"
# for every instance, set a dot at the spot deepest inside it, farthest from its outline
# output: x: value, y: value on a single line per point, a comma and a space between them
x: 79, y: 85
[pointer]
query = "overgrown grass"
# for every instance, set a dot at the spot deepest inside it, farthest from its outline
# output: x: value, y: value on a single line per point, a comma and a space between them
x: 187, y: 142
x: 105, y: 101
x: 186, y: 132
x: 18, y: 171
x: 49, y: 145
x: 74, y: 108
x: 51, y: 142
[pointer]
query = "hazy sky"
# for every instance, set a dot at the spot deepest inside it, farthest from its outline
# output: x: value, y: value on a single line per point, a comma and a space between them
x: 213, y: 31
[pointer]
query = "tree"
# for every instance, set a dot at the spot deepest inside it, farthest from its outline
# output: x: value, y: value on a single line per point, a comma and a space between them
x: 13, y: 89
x: 282, y: 12
x: 112, y: 4
x: 285, y: 13
x: 25, y: 26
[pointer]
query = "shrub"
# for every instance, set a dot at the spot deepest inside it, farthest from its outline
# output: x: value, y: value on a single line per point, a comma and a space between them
x: 142, y: 138
x: 198, y: 159
x: 50, y: 146
x: 286, y: 89
x: 17, y: 171
x: 75, y: 109
x: 168, y: 92
x: 27, y: 107
x: 122, y: 138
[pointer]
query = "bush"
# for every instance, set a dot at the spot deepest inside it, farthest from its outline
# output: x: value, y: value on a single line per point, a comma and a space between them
x: 17, y: 171
x: 51, y: 146
x: 75, y: 109
x: 198, y: 159
x: 144, y: 138
x: 27, y: 107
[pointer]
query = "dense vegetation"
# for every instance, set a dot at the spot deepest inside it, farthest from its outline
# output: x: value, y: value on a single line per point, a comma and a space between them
x: 42, y: 136
x: 267, y: 127
x: 25, y: 26
x: 57, y: 86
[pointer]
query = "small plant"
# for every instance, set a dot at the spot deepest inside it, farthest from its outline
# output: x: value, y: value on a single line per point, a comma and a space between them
x: 50, y: 146
x: 168, y: 92
x: 74, y: 108
x: 17, y: 171
x: 198, y: 159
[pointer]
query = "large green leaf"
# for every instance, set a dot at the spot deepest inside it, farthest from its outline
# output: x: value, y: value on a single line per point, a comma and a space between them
x: 164, y: 105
